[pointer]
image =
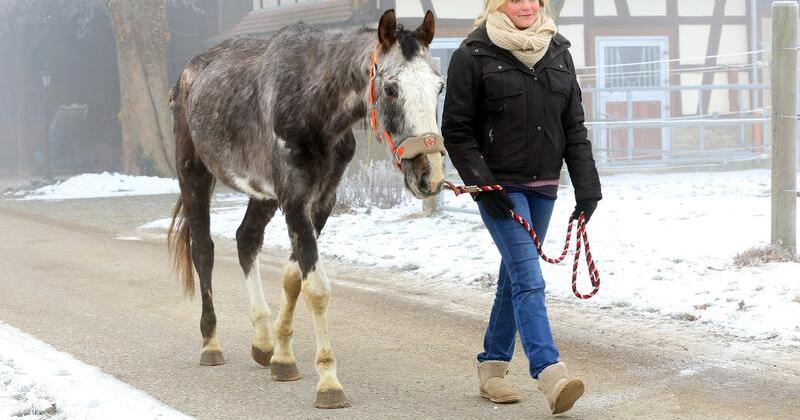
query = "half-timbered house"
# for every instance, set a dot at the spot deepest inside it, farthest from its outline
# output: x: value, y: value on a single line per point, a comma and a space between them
x: 661, y: 78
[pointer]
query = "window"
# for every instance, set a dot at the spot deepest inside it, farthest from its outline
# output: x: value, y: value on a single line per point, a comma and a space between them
x: 644, y: 70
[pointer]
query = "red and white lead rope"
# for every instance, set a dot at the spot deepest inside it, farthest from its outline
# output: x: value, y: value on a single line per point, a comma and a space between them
x: 581, y: 236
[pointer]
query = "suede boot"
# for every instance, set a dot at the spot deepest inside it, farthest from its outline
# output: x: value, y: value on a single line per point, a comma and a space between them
x: 493, y: 384
x: 561, y: 390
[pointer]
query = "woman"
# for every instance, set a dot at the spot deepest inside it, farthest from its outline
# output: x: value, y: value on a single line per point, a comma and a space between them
x: 512, y: 115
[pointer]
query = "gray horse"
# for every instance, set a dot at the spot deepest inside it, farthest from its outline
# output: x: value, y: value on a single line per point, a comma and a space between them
x: 273, y: 119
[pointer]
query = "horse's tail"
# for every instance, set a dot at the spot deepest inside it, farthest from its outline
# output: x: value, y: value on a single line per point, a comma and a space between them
x: 179, y: 235
x: 179, y: 244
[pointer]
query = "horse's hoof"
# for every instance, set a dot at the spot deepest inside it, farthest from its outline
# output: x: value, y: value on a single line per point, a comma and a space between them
x: 284, y: 372
x: 260, y: 356
x: 211, y: 358
x: 331, y: 398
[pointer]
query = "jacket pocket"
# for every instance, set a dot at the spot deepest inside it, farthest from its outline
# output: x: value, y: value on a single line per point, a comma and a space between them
x: 559, y: 80
x: 501, y: 81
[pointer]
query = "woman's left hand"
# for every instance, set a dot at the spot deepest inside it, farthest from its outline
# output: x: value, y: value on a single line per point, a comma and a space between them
x: 587, y: 206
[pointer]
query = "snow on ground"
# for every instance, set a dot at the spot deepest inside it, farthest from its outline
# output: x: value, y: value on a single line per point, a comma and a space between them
x: 102, y: 185
x: 664, y: 245
x: 37, y: 381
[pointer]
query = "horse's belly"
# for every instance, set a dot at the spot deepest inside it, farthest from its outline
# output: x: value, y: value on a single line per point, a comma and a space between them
x: 253, y: 187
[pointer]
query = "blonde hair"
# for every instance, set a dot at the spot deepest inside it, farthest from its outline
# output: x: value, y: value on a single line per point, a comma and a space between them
x: 492, y: 6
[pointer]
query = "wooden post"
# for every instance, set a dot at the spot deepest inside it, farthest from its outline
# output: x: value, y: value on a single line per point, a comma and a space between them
x: 784, y: 124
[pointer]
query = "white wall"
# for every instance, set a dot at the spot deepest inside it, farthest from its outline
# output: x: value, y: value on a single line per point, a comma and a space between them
x: 574, y: 34
x: 696, y: 8
x: 572, y: 8
x: 605, y: 8
x: 459, y: 9
x: 648, y: 7
x: 693, y: 43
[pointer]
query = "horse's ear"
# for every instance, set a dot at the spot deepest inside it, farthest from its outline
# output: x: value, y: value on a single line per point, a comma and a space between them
x: 427, y: 30
x: 387, y: 30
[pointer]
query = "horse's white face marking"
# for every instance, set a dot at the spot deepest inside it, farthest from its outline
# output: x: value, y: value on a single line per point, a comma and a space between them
x: 420, y: 87
x: 418, y: 96
x: 243, y: 184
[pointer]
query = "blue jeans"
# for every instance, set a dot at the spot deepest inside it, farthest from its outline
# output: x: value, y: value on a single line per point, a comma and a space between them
x: 519, y: 300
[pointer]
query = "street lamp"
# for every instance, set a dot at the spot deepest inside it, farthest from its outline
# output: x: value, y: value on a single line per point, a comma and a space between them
x: 47, y: 76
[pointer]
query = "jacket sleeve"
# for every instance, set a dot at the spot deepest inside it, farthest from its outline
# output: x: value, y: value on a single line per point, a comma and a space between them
x: 578, y: 151
x: 460, y: 121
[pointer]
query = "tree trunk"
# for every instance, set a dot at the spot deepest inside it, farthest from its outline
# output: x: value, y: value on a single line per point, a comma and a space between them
x: 140, y: 28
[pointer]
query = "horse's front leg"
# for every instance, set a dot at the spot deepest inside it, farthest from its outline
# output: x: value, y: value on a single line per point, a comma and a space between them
x: 284, y: 366
x: 316, y: 292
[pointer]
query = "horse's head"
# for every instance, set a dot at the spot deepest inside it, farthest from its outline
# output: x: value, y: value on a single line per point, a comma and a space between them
x: 406, y: 92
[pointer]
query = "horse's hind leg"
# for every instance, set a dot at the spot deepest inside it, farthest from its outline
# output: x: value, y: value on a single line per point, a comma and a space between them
x: 193, y: 239
x: 197, y: 184
x: 249, y: 238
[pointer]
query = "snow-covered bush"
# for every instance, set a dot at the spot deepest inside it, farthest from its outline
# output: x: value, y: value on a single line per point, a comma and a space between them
x: 369, y: 184
x: 757, y: 256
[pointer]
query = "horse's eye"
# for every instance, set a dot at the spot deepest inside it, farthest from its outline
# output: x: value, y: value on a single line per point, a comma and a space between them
x: 391, y: 91
x: 441, y: 89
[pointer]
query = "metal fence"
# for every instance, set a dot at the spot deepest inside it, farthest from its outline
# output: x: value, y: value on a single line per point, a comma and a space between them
x: 694, y: 139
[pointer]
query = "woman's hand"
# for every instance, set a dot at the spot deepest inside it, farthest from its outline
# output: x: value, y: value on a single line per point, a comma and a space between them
x: 496, y: 203
x: 587, y: 206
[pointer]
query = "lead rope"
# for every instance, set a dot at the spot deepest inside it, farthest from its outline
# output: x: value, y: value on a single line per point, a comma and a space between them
x: 581, y: 236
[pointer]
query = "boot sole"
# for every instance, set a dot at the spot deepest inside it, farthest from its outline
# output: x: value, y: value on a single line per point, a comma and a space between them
x: 506, y: 400
x: 569, y: 394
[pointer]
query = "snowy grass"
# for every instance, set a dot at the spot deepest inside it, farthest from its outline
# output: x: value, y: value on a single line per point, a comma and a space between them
x: 758, y: 256
x: 665, y: 245
x: 39, y: 382
x: 101, y: 185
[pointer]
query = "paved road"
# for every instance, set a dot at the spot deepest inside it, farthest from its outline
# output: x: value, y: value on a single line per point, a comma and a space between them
x: 404, y: 350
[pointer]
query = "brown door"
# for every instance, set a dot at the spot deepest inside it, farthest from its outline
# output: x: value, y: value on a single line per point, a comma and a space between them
x: 645, y: 142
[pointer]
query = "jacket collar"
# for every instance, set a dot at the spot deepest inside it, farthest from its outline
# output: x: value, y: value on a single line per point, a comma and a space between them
x: 480, y: 37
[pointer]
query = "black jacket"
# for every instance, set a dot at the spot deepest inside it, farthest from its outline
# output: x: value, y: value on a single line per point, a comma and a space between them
x: 504, y: 122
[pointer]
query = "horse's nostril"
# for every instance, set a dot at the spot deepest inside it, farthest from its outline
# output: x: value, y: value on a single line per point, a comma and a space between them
x: 423, y: 184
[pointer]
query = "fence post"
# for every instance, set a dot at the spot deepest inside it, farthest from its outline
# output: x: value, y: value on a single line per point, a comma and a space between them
x: 784, y: 124
x: 701, y: 114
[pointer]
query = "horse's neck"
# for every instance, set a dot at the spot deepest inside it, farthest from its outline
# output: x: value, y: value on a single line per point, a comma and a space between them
x: 353, y: 57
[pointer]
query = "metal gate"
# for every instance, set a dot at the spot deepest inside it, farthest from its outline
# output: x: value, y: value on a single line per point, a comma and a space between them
x: 624, y: 63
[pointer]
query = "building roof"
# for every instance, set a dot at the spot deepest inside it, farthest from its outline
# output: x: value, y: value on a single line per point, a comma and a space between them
x: 324, y: 12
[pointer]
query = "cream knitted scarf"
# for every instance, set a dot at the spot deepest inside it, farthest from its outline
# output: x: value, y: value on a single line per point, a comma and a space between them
x: 528, y: 45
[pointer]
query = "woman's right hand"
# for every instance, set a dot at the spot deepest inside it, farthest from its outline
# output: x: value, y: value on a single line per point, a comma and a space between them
x: 496, y: 203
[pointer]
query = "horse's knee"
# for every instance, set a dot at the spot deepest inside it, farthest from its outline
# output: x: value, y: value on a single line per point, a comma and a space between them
x: 292, y: 280
x: 317, y: 291
x: 249, y: 238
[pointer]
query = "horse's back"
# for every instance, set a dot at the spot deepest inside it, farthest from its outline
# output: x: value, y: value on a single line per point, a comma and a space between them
x: 234, y: 93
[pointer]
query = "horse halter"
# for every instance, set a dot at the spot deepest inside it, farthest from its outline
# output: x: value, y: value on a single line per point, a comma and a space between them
x: 408, y: 148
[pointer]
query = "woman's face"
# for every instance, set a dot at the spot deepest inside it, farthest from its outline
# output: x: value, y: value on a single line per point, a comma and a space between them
x: 523, y: 13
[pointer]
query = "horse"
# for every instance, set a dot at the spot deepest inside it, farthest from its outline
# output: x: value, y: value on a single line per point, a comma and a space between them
x: 273, y: 118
